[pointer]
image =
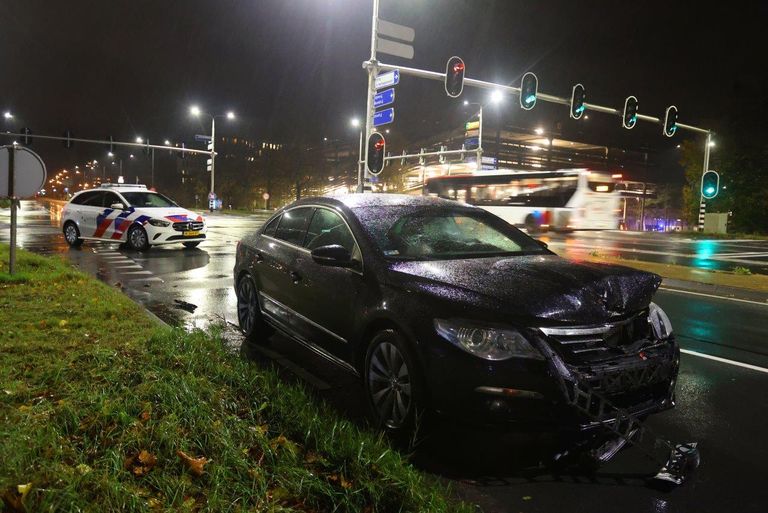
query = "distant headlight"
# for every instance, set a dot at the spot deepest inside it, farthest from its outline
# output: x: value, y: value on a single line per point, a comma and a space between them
x: 487, y: 343
x: 159, y: 222
x: 662, y: 327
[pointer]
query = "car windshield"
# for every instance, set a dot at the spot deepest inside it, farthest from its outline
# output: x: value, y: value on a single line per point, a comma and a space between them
x: 148, y: 200
x: 443, y: 234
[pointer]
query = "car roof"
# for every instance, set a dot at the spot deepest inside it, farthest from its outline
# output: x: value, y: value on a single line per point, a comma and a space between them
x: 358, y: 200
x: 118, y: 188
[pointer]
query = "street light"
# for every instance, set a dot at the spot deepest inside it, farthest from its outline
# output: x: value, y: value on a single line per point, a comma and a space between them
x: 8, y: 115
x: 497, y: 96
x: 195, y: 111
x: 139, y: 140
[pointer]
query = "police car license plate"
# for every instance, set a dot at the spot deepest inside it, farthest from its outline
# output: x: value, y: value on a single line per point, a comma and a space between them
x: 191, y: 233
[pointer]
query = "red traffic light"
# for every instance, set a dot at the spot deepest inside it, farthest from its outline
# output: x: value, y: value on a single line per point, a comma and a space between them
x: 454, y: 77
x: 374, y: 158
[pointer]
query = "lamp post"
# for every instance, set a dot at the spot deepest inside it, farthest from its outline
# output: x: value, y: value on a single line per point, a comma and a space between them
x: 495, y: 98
x: 195, y: 111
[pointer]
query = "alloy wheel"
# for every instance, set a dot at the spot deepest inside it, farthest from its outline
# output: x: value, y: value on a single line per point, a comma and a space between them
x: 138, y: 238
x: 70, y: 233
x: 247, y: 305
x: 389, y: 384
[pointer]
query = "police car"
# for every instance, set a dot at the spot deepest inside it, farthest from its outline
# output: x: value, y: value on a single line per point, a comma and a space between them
x: 129, y: 214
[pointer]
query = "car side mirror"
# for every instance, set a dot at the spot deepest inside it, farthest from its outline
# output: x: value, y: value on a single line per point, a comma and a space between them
x: 333, y: 255
x: 117, y: 206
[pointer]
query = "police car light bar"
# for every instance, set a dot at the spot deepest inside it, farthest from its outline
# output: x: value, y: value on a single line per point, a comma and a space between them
x: 122, y: 186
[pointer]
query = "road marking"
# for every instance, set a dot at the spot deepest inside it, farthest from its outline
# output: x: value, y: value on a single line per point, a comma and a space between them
x: 151, y: 278
x: 139, y: 272
x: 725, y: 360
x: 714, y: 296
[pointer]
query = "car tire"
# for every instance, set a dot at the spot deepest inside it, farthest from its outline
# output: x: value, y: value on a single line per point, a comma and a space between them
x: 72, y: 234
x: 137, y: 238
x: 393, y: 386
x: 249, y: 315
x: 191, y: 245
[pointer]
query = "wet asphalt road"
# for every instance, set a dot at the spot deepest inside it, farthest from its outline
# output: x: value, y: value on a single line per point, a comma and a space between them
x: 721, y: 405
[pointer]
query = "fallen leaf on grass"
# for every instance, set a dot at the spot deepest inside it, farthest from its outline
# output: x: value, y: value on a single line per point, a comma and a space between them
x: 63, y: 323
x: 14, y: 499
x: 195, y: 465
x: 144, y: 416
x: 141, y: 463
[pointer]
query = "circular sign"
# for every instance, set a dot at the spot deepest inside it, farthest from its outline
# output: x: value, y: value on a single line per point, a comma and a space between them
x: 211, y: 195
x: 29, y: 172
x: 265, y: 195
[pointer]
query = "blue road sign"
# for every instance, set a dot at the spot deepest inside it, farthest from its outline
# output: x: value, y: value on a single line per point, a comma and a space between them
x: 383, y: 117
x: 471, y: 142
x: 387, y: 79
x: 384, y: 98
x: 202, y: 138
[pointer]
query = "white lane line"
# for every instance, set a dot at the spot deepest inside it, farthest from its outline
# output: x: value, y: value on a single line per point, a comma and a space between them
x: 630, y: 251
x: 151, y: 278
x: 714, y: 296
x: 725, y: 360
x: 139, y: 272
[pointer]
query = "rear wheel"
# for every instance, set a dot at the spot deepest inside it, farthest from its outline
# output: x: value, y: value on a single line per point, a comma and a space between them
x: 137, y: 238
x: 191, y: 244
x: 249, y: 311
x: 72, y: 234
x: 393, y: 385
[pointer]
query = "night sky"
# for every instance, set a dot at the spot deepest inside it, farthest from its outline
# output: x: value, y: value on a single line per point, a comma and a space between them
x: 291, y: 69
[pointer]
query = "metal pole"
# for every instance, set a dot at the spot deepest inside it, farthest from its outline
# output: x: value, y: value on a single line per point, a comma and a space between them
x: 480, y: 139
x: 372, y: 72
x: 360, y: 165
x: 702, y: 202
x: 213, y: 151
x: 153, y: 167
x: 12, y: 195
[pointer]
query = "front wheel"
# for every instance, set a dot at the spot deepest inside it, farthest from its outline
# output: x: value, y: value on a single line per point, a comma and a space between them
x: 191, y: 244
x: 137, y: 238
x: 392, y: 384
x: 72, y: 234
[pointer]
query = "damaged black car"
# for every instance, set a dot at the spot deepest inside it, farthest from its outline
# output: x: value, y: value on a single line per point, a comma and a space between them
x: 444, y: 307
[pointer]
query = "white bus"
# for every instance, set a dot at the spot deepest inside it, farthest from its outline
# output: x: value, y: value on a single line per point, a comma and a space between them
x: 573, y: 199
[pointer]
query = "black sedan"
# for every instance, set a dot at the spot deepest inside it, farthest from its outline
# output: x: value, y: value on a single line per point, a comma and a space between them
x: 444, y: 307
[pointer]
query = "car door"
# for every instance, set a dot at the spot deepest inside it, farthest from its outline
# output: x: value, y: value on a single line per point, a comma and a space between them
x: 112, y: 223
x: 90, y: 210
x: 275, y: 253
x: 326, y: 295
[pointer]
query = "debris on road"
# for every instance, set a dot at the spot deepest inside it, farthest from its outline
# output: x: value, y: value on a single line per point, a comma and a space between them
x: 189, y: 307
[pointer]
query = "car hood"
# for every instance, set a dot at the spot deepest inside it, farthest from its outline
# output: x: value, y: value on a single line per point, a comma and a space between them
x: 174, y: 215
x: 541, y: 288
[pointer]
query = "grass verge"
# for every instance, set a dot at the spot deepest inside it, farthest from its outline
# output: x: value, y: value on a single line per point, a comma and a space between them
x: 736, y: 278
x: 102, y: 410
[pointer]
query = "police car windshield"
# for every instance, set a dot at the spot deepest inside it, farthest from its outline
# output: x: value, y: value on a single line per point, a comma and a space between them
x: 148, y: 200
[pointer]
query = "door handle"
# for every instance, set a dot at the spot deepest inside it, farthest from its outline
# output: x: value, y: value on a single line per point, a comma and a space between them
x: 258, y: 257
x: 296, y: 277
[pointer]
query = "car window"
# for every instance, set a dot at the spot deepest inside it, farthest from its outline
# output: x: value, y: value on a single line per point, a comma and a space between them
x: 271, y: 228
x: 144, y: 199
x: 327, y: 228
x: 80, y: 199
x: 109, y: 198
x: 293, y: 225
x: 95, y: 200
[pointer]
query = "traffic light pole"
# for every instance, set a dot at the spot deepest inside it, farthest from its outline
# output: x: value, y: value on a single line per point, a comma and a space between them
x: 113, y: 143
x: 372, y: 68
x: 702, y: 202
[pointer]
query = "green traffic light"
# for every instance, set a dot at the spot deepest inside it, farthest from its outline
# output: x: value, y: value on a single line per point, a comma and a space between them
x: 709, y: 190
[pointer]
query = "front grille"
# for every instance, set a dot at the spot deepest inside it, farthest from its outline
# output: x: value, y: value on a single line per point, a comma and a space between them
x: 590, y: 342
x: 185, y: 226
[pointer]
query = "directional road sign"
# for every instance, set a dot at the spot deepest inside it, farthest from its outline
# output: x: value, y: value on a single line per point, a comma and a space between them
x: 387, y: 79
x: 384, y: 98
x: 202, y: 138
x: 383, y: 117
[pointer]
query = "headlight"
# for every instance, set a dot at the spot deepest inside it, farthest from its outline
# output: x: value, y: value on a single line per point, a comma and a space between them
x: 159, y: 222
x: 487, y: 343
x: 662, y: 327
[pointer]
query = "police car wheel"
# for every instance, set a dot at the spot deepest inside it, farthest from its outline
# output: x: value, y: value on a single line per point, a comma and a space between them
x: 137, y: 238
x: 72, y: 234
x: 191, y: 244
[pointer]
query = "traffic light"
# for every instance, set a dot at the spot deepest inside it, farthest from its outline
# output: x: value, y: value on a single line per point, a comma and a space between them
x: 111, y: 144
x: 68, y: 139
x: 374, y: 158
x: 710, y: 184
x: 578, y: 97
x: 529, y: 87
x: 454, y: 77
x: 629, y: 118
x: 670, y: 121
x: 26, y: 137
x: 182, y: 154
x: 147, y: 150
